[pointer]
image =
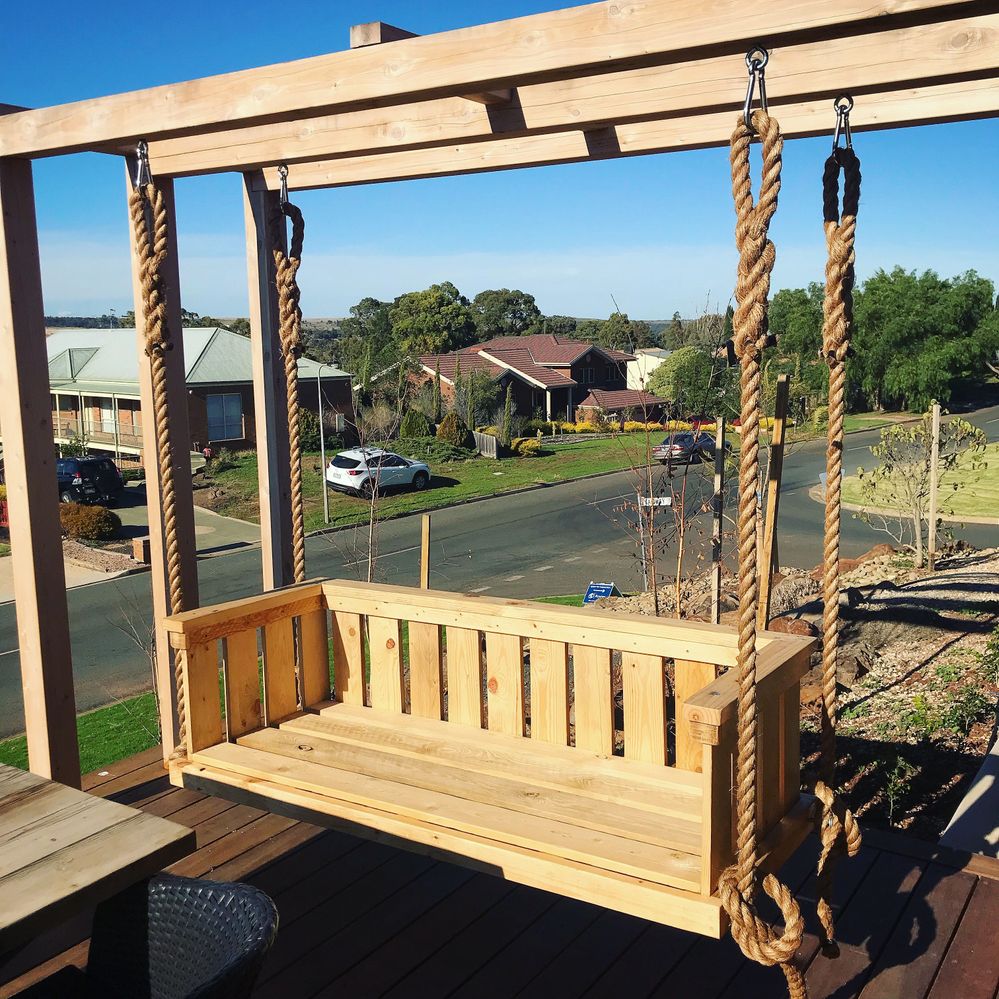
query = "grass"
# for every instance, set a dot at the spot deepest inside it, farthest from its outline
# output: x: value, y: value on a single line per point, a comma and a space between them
x: 453, y: 481
x: 976, y: 495
x: 569, y: 600
x: 105, y: 735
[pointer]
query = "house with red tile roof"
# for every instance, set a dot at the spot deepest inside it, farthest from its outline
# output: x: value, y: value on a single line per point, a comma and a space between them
x: 551, y: 376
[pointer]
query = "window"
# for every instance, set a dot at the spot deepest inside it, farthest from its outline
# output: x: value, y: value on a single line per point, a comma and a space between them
x: 225, y: 417
x: 587, y: 374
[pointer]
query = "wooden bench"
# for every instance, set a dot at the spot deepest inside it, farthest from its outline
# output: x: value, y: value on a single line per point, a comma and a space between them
x: 576, y: 750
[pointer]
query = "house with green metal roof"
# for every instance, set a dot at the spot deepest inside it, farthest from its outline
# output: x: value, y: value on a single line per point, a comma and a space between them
x: 94, y: 381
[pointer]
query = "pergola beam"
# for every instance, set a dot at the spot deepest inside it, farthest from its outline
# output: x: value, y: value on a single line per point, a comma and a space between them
x: 379, y: 33
x: 910, y: 55
x: 910, y: 106
x: 601, y: 37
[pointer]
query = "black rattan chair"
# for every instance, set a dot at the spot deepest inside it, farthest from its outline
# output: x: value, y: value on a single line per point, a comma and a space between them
x: 173, y: 938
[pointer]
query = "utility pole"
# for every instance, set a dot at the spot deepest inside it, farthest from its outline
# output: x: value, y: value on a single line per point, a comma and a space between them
x: 931, y: 553
x: 717, y: 506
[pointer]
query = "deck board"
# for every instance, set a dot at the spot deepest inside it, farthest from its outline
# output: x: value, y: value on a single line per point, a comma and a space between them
x: 362, y: 918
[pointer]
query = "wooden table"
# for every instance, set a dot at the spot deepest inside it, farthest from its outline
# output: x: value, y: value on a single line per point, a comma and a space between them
x: 63, y: 850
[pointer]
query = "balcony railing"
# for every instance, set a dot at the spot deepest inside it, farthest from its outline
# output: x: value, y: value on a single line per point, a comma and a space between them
x: 104, y: 432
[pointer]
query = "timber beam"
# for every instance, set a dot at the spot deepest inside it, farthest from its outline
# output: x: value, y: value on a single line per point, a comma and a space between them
x: 378, y: 32
x: 911, y: 106
x: 579, y: 41
x: 872, y: 65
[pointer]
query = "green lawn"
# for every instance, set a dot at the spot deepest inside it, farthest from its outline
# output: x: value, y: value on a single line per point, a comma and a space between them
x: 105, y: 736
x: 977, y: 494
x: 452, y: 482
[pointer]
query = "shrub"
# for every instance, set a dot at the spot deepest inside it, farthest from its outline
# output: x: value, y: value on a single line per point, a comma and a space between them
x: 491, y: 430
x: 429, y: 449
x: 631, y: 426
x: 526, y: 447
x: 308, y: 428
x: 585, y: 427
x: 820, y: 418
x: 88, y: 523
x: 414, y: 424
x: 453, y: 431
x: 3, y: 492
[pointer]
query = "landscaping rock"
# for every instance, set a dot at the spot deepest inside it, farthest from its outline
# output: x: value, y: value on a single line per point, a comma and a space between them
x: 793, y: 626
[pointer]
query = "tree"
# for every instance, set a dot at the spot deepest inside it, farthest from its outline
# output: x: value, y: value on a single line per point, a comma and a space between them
x: 621, y: 333
x: 432, y: 321
x: 506, y: 432
x: 684, y: 378
x: 438, y: 403
x: 559, y: 325
x: 364, y: 344
x: 903, y: 478
x: 589, y: 330
x: 502, y: 312
x: 916, y: 337
x: 674, y: 332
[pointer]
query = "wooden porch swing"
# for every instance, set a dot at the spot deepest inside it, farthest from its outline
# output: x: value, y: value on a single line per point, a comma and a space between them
x: 431, y: 733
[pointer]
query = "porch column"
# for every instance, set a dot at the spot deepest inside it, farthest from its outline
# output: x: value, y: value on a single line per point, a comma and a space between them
x: 262, y: 211
x: 32, y: 497
x: 117, y: 435
x: 58, y: 416
x: 181, y: 434
x: 548, y: 404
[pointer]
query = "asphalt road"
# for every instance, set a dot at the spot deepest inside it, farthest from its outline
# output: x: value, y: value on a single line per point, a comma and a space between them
x: 548, y: 541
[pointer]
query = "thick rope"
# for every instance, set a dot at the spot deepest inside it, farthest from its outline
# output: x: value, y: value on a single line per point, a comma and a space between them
x: 290, y: 331
x: 149, y: 224
x: 737, y: 885
x: 838, y: 829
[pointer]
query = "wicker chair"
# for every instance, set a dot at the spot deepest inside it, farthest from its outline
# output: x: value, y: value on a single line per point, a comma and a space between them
x: 172, y: 938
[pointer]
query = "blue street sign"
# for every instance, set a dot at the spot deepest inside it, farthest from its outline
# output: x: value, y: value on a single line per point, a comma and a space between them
x: 597, y: 590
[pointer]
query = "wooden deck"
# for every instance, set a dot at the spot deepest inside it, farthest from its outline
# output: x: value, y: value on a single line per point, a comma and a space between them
x: 363, y: 919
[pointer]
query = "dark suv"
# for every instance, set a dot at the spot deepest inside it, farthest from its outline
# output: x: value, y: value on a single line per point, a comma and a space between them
x: 88, y: 480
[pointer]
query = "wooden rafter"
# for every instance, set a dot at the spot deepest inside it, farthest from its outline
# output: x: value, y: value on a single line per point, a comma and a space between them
x: 379, y: 33
x: 866, y: 65
x: 913, y: 105
x: 587, y: 40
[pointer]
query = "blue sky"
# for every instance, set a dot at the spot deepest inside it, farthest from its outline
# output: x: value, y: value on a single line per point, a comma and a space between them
x: 655, y: 232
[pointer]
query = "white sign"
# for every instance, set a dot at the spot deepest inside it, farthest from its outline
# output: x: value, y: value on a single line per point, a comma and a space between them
x: 655, y: 500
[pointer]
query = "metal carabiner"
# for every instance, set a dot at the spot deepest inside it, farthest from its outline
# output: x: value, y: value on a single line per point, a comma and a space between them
x: 756, y: 60
x: 843, y: 105
x: 143, y: 173
x: 283, y: 174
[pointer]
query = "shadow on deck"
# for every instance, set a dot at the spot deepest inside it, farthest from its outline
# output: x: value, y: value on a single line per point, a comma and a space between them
x: 364, y: 919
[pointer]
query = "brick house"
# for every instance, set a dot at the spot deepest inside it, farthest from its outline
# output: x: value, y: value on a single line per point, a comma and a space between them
x: 552, y: 377
x: 94, y: 382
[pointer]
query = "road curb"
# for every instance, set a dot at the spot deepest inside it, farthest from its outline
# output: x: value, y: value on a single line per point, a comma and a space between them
x: 815, y: 493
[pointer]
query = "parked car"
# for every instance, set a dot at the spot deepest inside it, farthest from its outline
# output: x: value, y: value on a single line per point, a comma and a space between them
x: 686, y: 447
x: 89, y: 480
x: 361, y: 470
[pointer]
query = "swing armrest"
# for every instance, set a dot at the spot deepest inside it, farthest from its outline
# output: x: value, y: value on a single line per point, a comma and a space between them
x: 780, y: 665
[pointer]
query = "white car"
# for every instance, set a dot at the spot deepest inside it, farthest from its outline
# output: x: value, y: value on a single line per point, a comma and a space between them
x: 363, y: 470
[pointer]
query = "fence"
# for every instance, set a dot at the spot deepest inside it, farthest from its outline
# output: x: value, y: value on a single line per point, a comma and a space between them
x: 486, y: 444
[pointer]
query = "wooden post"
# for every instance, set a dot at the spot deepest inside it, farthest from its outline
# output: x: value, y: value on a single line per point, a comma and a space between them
x: 32, y: 497
x: 166, y: 687
x: 773, y: 502
x: 425, y: 554
x: 270, y: 408
x: 931, y: 548
x: 717, y: 508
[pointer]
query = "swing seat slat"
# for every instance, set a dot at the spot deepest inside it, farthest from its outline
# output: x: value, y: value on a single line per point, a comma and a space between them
x: 492, y: 789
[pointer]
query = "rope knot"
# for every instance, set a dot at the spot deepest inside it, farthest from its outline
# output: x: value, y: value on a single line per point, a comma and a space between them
x: 756, y: 251
x: 755, y: 936
x: 839, y: 834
